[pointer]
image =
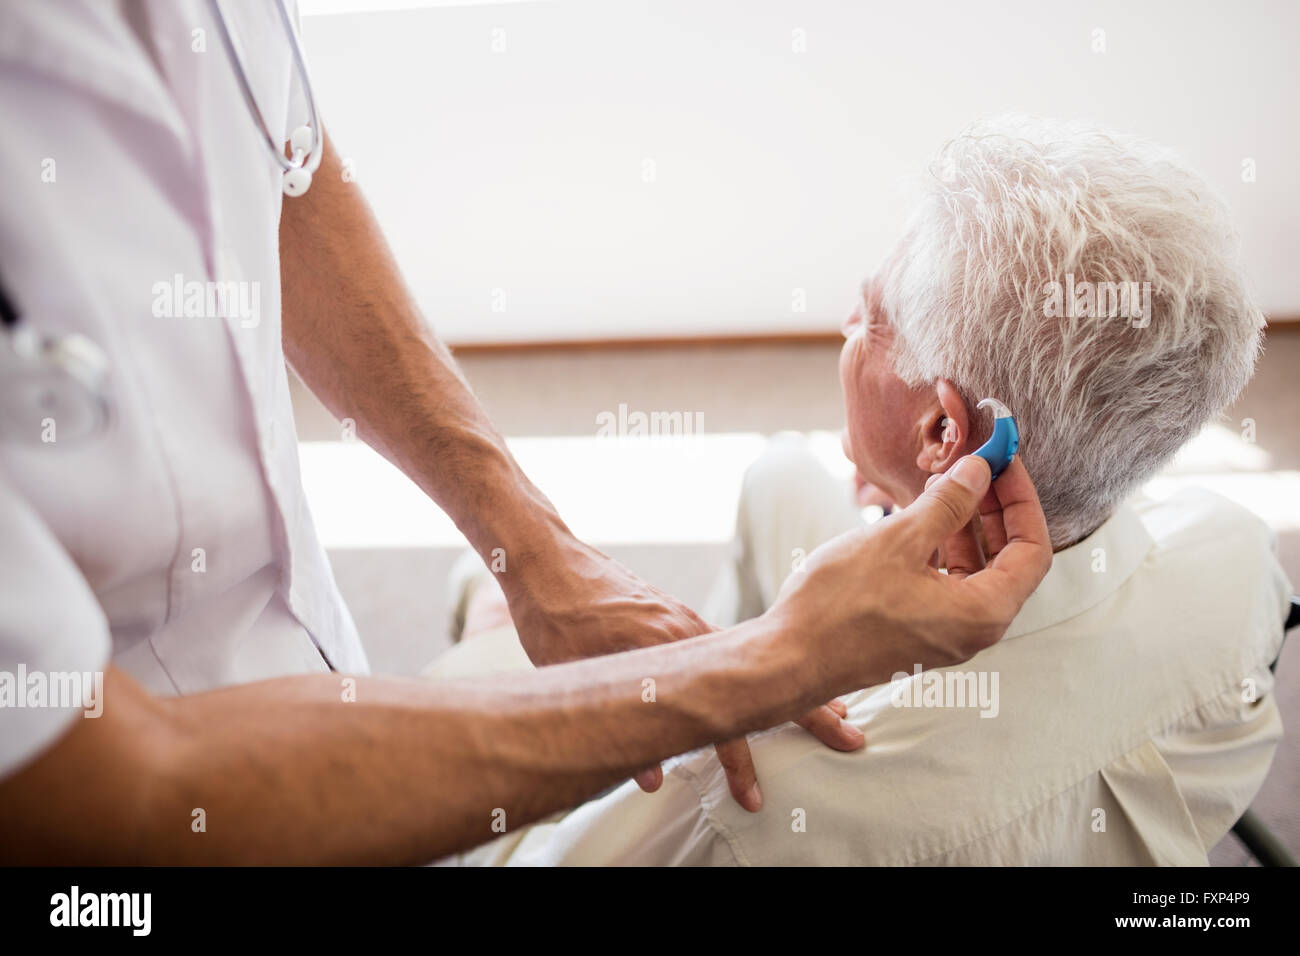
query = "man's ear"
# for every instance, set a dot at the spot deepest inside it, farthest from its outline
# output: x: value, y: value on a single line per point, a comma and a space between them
x: 945, y: 429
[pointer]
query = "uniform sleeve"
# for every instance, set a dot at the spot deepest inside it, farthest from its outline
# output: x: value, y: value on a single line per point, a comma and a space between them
x: 626, y: 827
x: 54, y: 638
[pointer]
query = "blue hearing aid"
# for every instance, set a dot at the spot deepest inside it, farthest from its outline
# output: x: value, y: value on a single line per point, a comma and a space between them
x: 1005, y: 440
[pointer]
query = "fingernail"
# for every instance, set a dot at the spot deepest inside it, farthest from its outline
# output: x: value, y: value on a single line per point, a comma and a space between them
x: 852, y: 731
x: 971, y: 472
x: 932, y: 479
x: 754, y: 799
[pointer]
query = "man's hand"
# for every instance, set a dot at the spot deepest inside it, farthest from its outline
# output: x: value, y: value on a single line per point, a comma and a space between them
x: 592, y: 605
x: 883, y: 580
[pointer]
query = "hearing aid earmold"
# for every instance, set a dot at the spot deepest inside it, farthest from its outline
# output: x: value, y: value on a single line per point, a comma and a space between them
x: 1002, y: 445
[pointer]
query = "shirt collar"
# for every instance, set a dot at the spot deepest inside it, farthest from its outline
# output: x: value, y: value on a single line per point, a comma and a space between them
x: 1085, y: 574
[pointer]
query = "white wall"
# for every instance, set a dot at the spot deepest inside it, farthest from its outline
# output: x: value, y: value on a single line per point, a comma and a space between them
x: 775, y: 170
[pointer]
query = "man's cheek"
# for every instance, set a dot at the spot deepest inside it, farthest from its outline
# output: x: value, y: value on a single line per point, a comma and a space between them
x: 852, y: 368
x: 846, y: 367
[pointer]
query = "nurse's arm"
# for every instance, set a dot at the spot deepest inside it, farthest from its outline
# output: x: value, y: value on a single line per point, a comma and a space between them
x: 317, y: 769
x: 288, y: 771
x: 354, y: 334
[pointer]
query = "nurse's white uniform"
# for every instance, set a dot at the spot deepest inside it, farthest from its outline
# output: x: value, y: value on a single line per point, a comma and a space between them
x: 179, y: 544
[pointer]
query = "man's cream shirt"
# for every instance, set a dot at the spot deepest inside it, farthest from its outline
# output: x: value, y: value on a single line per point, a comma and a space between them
x: 1133, y: 722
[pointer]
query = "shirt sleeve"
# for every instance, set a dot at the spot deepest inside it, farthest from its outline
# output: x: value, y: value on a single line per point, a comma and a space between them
x: 54, y: 637
x: 1220, y: 754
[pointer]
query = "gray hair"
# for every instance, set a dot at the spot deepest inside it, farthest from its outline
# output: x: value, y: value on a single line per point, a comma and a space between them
x: 1015, y: 204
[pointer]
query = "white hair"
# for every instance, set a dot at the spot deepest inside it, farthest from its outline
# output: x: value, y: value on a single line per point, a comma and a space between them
x: 1014, y: 204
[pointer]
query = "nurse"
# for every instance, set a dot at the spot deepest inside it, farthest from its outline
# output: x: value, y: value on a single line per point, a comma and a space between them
x: 172, y: 550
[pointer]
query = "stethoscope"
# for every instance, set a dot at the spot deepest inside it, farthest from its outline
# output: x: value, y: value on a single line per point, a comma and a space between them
x: 56, y: 386
x: 306, y: 147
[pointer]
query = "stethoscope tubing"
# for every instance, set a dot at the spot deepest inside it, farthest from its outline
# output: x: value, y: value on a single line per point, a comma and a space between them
x: 312, y: 160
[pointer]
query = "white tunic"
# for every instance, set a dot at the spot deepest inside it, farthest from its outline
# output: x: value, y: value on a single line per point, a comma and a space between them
x: 180, y: 542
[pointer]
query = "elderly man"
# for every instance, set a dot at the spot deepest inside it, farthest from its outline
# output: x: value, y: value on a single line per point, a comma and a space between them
x: 1089, y: 282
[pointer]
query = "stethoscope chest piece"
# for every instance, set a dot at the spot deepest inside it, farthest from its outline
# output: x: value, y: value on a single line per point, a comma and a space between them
x: 55, y: 389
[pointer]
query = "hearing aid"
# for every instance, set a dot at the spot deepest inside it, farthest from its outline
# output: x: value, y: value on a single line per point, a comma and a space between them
x: 1002, y: 445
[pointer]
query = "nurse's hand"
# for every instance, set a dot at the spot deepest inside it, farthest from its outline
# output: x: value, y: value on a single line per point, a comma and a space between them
x: 826, y: 723
x: 578, y: 603
x: 883, y: 580
x: 596, y: 606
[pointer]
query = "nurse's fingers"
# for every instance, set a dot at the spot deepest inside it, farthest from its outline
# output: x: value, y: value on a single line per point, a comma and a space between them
x: 650, y: 779
x: 944, y: 508
x: 742, y: 779
x: 1026, y: 555
x: 961, y: 554
x: 995, y: 533
x: 828, y: 725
